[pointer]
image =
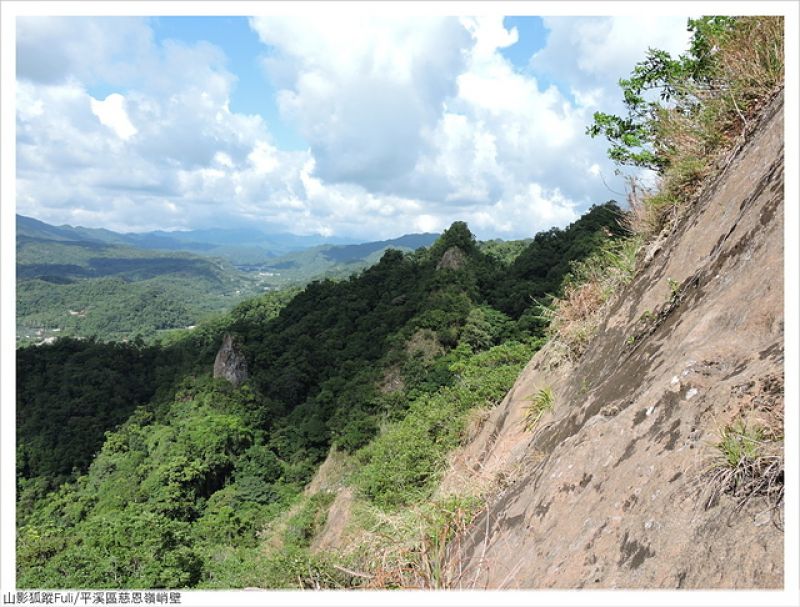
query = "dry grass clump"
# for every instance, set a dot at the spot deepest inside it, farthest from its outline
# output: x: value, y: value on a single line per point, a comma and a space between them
x: 575, y: 316
x: 411, y: 548
x: 748, y: 464
x: 476, y: 418
x: 751, y: 61
x: 573, y: 322
x: 643, y: 216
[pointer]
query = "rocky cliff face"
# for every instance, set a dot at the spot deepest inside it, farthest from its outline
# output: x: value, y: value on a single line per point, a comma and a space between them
x: 452, y: 259
x: 230, y: 362
x: 612, y: 490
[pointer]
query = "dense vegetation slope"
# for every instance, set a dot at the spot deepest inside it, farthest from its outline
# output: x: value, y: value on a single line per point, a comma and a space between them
x: 176, y: 472
x: 88, y: 288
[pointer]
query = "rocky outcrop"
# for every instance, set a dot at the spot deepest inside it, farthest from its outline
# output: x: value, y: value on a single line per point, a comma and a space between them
x: 230, y: 363
x: 452, y: 259
x: 609, y: 491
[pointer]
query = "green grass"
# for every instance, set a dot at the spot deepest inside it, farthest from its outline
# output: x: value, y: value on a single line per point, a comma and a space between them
x: 740, y: 442
x: 674, y: 287
x: 541, y: 402
x: 309, y: 521
x: 748, y: 464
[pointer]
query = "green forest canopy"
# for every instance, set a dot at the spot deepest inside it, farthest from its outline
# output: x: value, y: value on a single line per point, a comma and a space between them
x: 126, y: 451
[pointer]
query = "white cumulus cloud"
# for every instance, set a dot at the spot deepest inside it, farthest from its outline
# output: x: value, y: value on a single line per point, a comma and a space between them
x: 591, y: 54
x: 111, y: 112
x: 361, y: 91
x: 411, y: 124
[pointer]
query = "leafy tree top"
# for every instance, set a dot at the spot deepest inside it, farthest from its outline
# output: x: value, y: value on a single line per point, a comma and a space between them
x: 457, y: 235
x: 677, y: 81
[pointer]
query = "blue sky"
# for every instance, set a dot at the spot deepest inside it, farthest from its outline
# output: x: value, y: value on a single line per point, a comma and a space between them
x: 253, y: 92
x: 342, y: 125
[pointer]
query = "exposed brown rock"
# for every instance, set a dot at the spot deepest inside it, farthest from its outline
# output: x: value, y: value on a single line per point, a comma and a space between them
x: 339, y: 513
x: 329, y: 478
x: 329, y: 475
x: 607, y: 492
x: 424, y: 343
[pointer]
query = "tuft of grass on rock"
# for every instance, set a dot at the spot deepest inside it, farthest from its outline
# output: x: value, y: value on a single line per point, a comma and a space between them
x: 541, y: 402
x: 748, y: 464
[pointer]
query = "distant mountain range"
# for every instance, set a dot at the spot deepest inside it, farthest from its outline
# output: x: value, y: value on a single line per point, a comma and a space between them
x: 334, y: 261
x: 88, y: 281
x: 239, y: 246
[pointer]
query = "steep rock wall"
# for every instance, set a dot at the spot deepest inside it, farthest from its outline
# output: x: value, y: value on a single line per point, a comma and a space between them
x: 230, y: 362
x: 608, y: 492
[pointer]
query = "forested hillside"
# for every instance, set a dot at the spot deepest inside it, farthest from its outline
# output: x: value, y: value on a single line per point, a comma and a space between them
x: 591, y: 408
x: 137, y: 468
x: 86, y: 288
x: 82, y: 282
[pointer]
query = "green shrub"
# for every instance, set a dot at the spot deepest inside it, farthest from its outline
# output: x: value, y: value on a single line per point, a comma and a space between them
x: 255, y: 474
x: 402, y: 465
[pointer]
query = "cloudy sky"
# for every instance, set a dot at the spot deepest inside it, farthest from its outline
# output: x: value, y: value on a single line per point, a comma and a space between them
x: 349, y: 126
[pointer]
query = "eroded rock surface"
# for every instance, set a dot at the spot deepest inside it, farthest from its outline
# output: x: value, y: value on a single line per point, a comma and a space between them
x: 608, y: 492
x: 452, y: 259
x: 230, y: 362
